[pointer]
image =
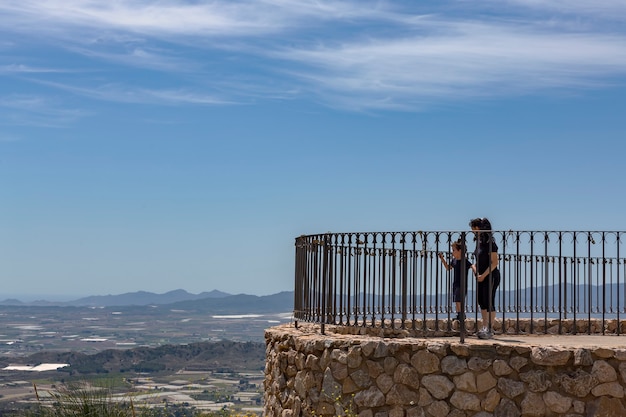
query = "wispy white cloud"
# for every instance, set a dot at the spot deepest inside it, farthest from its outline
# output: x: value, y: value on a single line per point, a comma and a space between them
x: 351, y: 54
x: 215, y: 18
x: 470, y: 60
x: 177, y: 97
x: 26, y: 69
x: 141, y: 57
x: 136, y: 95
x: 605, y: 9
x: 20, y: 109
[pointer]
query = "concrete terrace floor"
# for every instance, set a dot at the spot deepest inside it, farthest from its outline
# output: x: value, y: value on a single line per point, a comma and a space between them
x: 565, y: 341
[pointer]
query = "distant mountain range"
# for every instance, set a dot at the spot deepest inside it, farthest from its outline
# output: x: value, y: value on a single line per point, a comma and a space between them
x: 177, y: 298
x: 217, y: 302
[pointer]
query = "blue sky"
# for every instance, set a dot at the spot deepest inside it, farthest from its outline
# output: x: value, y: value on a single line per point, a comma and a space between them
x: 156, y: 145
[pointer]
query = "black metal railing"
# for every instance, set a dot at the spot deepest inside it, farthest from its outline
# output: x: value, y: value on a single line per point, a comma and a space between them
x: 395, y: 279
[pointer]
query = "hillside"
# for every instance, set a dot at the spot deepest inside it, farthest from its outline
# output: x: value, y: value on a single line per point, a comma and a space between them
x: 240, y: 304
x: 222, y: 356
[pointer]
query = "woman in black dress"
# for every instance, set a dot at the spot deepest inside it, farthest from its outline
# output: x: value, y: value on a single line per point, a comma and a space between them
x: 487, y: 274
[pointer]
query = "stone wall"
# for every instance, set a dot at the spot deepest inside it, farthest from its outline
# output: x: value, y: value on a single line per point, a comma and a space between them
x: 309, y: 374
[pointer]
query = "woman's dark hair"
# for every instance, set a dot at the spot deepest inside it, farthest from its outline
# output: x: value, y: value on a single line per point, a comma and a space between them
x: 482, y: 223
x: 475, y: 223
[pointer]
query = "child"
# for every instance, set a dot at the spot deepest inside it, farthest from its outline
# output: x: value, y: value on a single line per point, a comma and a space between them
x: 458, y: 271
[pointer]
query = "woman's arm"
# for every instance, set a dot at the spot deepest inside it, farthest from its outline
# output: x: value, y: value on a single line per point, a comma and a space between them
x: 492, y: 266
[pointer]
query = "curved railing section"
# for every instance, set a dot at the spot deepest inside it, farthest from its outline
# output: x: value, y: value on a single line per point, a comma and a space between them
x: 396, y: 279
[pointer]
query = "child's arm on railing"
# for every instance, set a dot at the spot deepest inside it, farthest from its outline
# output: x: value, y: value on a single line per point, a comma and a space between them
x: 443, y: 261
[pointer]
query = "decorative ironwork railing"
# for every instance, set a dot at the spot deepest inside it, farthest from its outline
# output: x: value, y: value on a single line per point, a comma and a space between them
x: 396, y: 278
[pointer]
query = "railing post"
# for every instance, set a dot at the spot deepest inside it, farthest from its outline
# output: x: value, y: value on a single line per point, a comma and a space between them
x: 463, y: 270
x: 298, y: 290
x: 425, y: 303
x: 532, y: 283
x: 325, y: 277
x: 574, y: 287
x: 619, y: 325
x: 603, y: 283
x: 589, y: 272
x: 546, y: 298
x: 404, y: 279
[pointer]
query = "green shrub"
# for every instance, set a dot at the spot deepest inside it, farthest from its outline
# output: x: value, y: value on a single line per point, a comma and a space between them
x: 85, y: 400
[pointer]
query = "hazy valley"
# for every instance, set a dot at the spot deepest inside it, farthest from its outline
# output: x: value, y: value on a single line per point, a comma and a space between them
x: 27, y: 329
x: 184, y: 346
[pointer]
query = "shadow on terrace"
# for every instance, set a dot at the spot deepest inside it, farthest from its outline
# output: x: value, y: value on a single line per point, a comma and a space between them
x: 552, y: 282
